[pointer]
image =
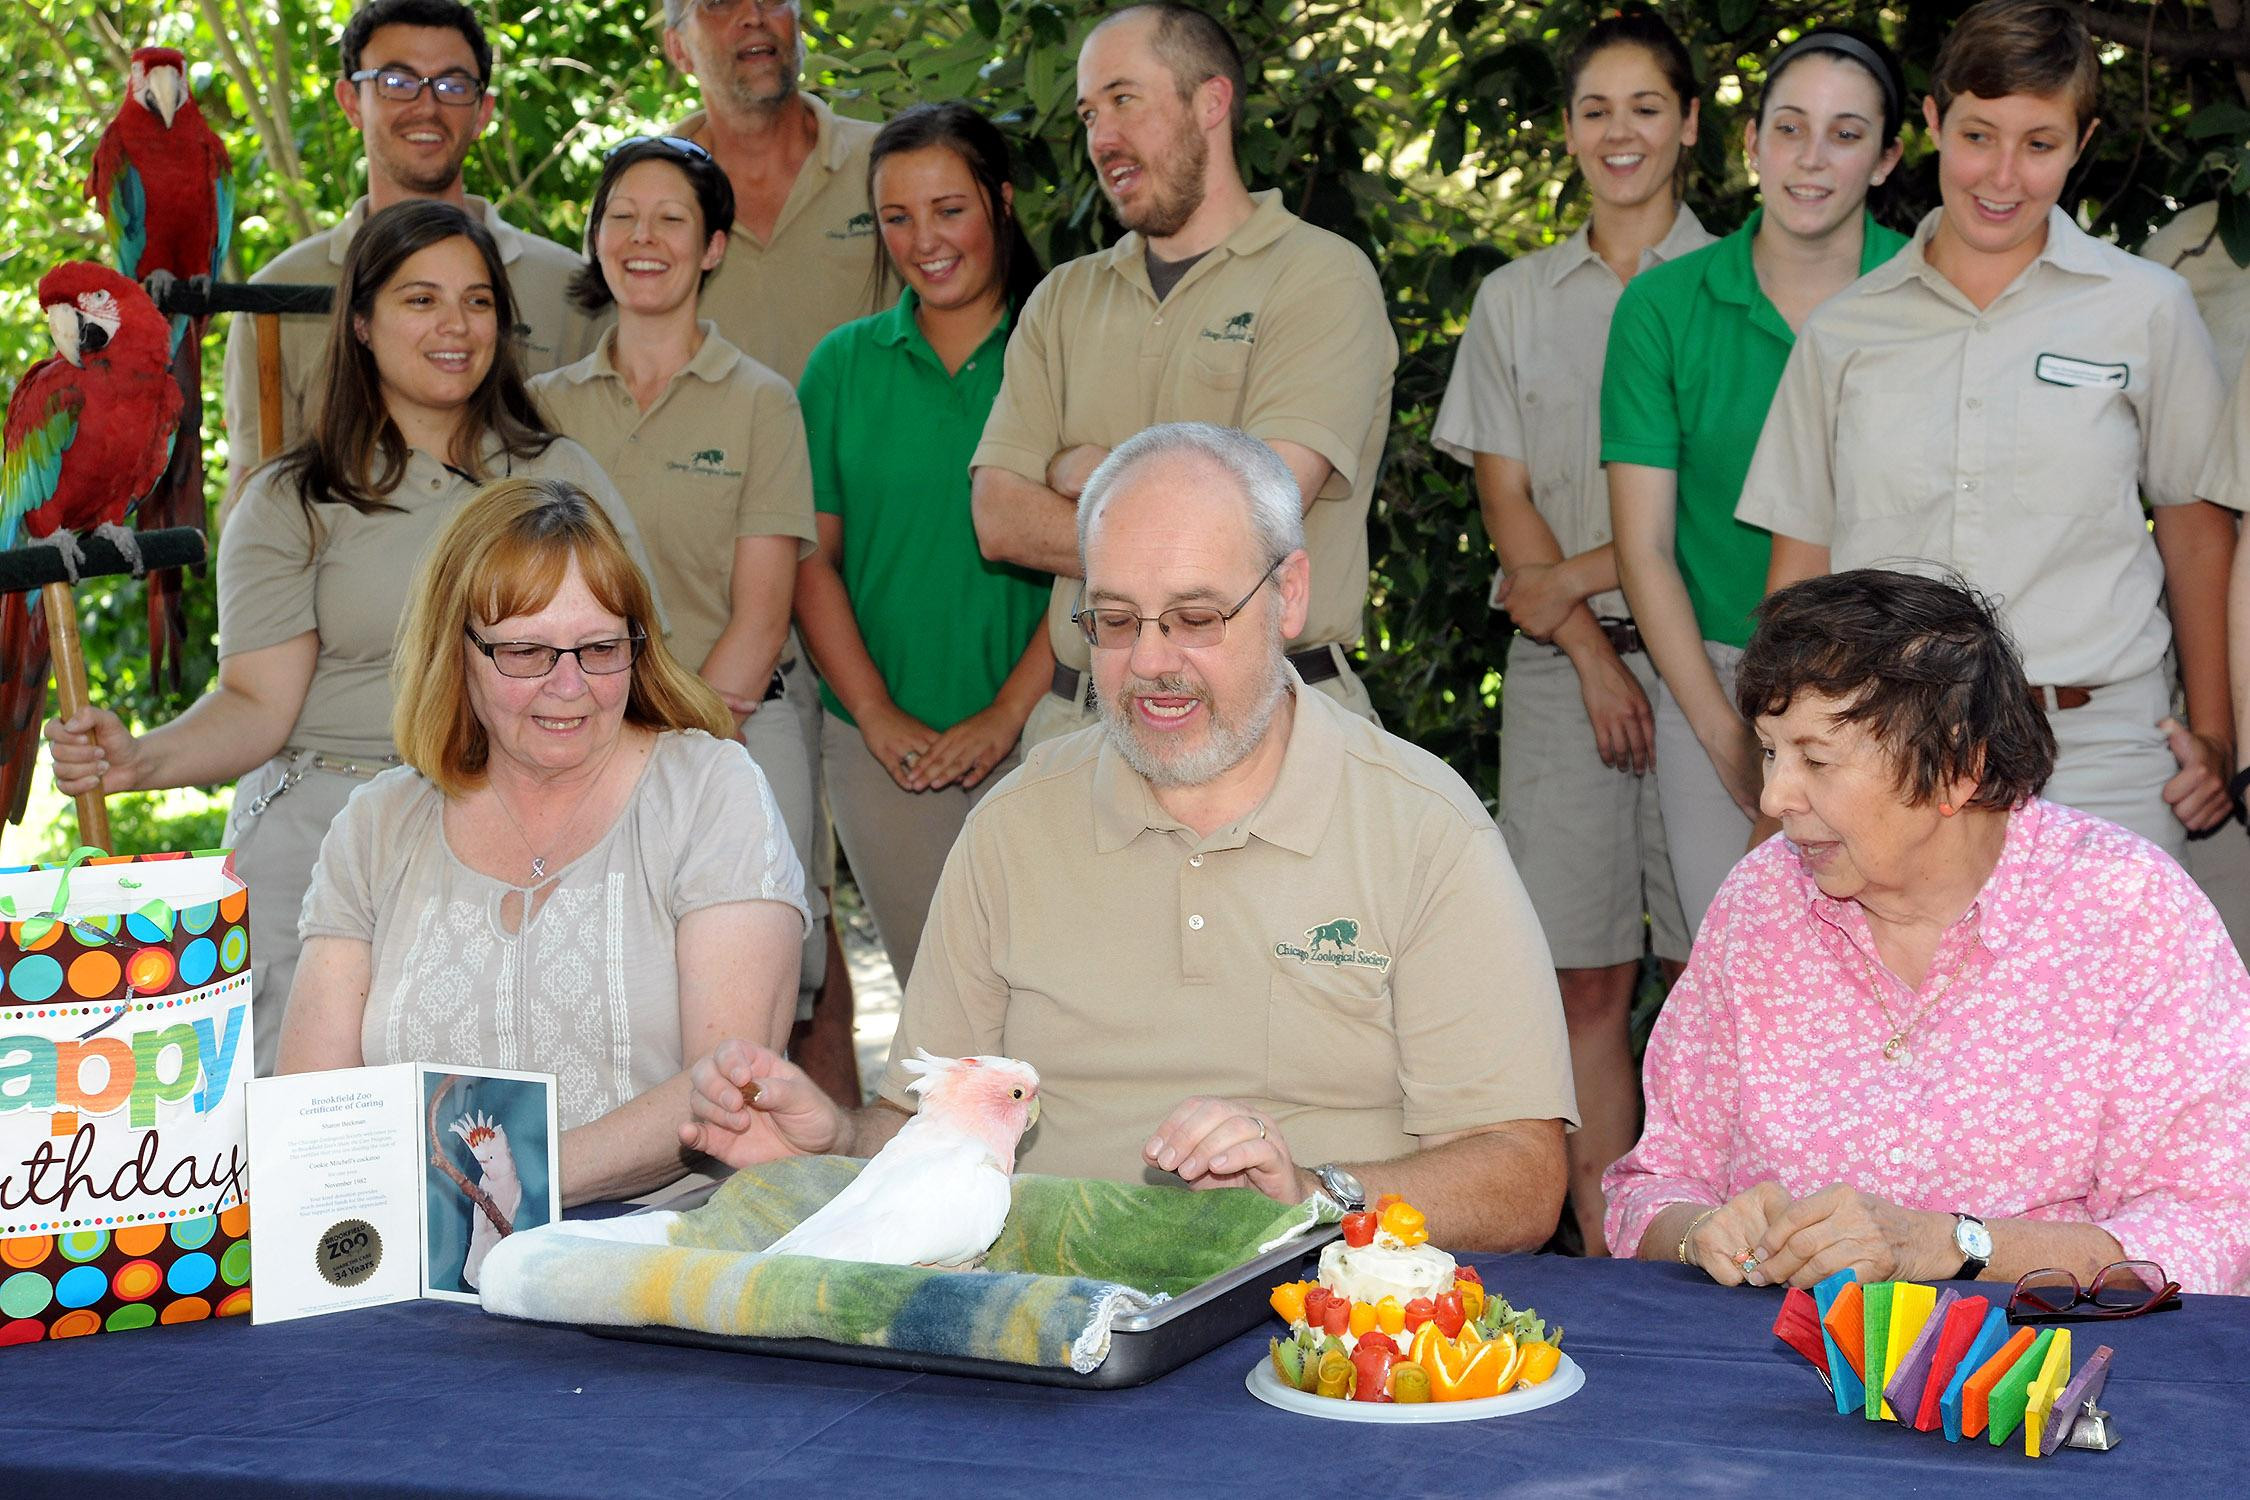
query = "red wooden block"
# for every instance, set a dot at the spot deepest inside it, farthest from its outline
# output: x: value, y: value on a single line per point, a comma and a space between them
x: 1798, y: 1326
x: 1962, y: 1320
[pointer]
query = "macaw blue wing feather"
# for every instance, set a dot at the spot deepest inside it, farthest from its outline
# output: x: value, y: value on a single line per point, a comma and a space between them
x: 225, y: 195
x: 31, y: 465
x: 128, y: 219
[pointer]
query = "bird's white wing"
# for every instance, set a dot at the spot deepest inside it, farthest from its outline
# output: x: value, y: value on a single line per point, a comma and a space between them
x: 936, y: 1200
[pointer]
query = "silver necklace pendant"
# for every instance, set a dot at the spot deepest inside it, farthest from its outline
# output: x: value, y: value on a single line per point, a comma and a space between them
x: 538, y: 868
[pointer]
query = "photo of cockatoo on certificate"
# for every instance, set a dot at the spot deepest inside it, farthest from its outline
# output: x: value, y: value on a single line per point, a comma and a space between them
x: 490, y: 1171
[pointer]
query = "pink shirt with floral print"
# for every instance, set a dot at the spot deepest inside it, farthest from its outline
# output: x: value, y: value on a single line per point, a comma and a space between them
x: 2087, y: 1061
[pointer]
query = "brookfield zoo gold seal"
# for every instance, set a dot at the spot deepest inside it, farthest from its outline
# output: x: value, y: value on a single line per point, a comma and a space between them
x: 348, y: 1253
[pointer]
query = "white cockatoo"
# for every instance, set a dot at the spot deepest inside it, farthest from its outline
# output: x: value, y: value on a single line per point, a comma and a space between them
x: 937, y: 1194
x: 496, y: 1166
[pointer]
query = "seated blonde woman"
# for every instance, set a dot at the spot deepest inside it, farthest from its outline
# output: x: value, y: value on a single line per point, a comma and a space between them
x: 578, y: 870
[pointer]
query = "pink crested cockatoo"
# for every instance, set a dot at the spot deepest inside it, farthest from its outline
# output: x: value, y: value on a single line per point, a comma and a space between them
x: 496, y: 1167
x: 937, y: 1194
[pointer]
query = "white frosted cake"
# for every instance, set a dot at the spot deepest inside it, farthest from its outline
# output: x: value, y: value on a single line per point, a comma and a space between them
x: 1386, y: 1268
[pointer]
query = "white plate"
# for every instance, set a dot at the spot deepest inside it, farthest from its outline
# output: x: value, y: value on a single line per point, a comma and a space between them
x: 1264, y: 1384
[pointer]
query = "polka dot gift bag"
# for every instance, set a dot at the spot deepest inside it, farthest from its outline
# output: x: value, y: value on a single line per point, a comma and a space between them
x: 125, y: 1056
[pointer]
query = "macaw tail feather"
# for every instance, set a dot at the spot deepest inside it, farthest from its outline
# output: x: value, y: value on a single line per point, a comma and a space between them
x: 177, y: 500
x: 23, y: 697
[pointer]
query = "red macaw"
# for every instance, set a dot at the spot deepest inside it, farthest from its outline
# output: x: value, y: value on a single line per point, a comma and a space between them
x: 89, y: 431
x: 164, y: 182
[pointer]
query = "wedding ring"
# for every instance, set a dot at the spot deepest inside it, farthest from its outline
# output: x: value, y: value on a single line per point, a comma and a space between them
x: 1748, y: 1261
x: 1261, y: 1129
x: 906, y: 761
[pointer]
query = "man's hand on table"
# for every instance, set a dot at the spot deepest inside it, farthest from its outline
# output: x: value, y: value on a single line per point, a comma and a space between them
x: 1218, y: 1143
x: 751, y: 1105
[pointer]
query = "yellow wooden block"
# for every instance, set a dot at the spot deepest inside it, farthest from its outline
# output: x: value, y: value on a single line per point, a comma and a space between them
x: 2054, y: 1374
x: 1911, y: 1304
x: 1911, y: 1307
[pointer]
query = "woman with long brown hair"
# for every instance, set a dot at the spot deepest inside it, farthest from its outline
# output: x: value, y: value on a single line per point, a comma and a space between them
x: 423, y: 400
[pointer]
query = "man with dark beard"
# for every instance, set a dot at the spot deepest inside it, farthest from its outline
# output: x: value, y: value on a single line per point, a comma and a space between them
x: 1232, y: 889
x: 1216, y: 305
x: 416, y: 85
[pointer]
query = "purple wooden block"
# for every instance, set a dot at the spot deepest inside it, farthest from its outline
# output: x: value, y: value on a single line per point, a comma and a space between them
x: 2086, y: 1385
x: 1904, y: 1389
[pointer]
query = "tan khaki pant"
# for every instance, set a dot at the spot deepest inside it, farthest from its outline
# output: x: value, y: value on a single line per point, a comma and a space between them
x: 896, y: 840
x: 274, y: 853
x: 776, y: 738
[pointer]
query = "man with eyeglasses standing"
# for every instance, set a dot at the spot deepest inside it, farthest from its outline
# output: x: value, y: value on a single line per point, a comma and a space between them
x: 1248, y: 938
x: 416, y: 84
x: 801, y: 260
x: 1217, y: 305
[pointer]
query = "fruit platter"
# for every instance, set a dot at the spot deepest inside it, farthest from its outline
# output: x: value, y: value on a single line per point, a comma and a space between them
x: 1395, y: 1330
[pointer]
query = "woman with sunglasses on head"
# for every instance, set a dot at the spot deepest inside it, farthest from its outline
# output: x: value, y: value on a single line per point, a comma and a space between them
x: 422, y: 401
x: 576, y: 871
x: 1942, y: 1027
x: 705, y: 443
x: 1577, y: 801
x: 931, y: 656
x: 1695, y: 352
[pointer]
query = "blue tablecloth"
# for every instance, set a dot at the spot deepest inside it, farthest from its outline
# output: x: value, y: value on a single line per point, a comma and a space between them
x: 1686, y: 1393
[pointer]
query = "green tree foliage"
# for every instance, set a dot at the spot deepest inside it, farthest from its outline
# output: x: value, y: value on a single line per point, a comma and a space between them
x: 1426, y: 132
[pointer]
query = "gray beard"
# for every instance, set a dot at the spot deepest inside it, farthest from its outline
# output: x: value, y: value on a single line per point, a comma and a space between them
x: 1226, y: 746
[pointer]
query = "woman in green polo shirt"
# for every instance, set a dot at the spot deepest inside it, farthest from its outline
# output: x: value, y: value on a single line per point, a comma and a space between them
x: 1695, y: 352
x: 931, y: 657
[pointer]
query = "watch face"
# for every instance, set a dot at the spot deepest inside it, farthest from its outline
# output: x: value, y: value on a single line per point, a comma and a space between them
x: 1974, y: 1239
x: 1343, y: 1186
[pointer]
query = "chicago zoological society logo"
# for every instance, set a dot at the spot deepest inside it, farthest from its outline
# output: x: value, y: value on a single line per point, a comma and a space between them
x: 1235, y: 330
x: 858, y: 227
x: 1335, y: 944
x: 709, y: 461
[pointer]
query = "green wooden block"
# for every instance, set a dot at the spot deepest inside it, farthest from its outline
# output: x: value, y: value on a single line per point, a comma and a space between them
x: 2013, y: 1393
x: 1876, y: 1309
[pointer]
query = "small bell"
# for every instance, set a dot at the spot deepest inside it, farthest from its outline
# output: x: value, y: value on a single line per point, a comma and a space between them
x: 2096, y: 1429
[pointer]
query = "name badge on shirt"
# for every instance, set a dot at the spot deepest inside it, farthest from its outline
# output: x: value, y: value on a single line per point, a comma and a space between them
x: 2061, y: 369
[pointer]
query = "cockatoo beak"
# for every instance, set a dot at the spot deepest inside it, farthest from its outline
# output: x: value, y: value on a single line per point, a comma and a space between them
x: 165, y: 91
x: 63, y: 324
x: 1033, y: 1119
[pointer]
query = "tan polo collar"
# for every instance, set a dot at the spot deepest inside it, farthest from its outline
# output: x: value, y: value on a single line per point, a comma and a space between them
x: 829, y: 150
x: 711, y: 363
x: 1268, y: 222
x: 504, y: 234
x: 1685, y: 234
x: 2068, y: 248
x: 1293, y: 816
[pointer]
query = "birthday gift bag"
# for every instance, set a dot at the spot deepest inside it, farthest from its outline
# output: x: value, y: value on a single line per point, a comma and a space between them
x: 125, y: 1052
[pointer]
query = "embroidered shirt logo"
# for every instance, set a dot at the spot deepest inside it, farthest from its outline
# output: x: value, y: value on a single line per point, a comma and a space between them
x: 857, y: 227
x: 1235, y: 330
x: 1336, y: 944
x: 710, y: 461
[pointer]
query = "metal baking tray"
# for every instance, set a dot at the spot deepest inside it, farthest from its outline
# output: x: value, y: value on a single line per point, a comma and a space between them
x: 1142, y: 1346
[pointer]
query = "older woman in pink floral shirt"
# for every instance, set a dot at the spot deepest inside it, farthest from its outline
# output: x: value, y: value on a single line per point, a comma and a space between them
x: 1939, y: 1028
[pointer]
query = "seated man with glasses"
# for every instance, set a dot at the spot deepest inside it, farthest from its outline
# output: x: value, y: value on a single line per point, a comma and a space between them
x: 577, y: 871
x: 1941, y: 1027
x: 1247, y: 938
x: 416, y: 84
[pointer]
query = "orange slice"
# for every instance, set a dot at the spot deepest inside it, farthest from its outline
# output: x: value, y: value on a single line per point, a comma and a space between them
x: 1471, y: 1372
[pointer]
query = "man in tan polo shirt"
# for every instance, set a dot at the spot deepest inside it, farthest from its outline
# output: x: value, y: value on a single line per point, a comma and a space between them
x: 1217, y: 305
x: 415, y: 146
x: 1238, y: 929
x: 801, y: 260
x: 802, y: 257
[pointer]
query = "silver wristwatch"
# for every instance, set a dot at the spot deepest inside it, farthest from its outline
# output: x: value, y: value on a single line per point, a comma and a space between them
x: 1974, y: 1241
x: 1340, y: 1187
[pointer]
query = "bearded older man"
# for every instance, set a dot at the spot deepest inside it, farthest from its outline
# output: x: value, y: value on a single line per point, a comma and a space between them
x: 1232, y: 890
